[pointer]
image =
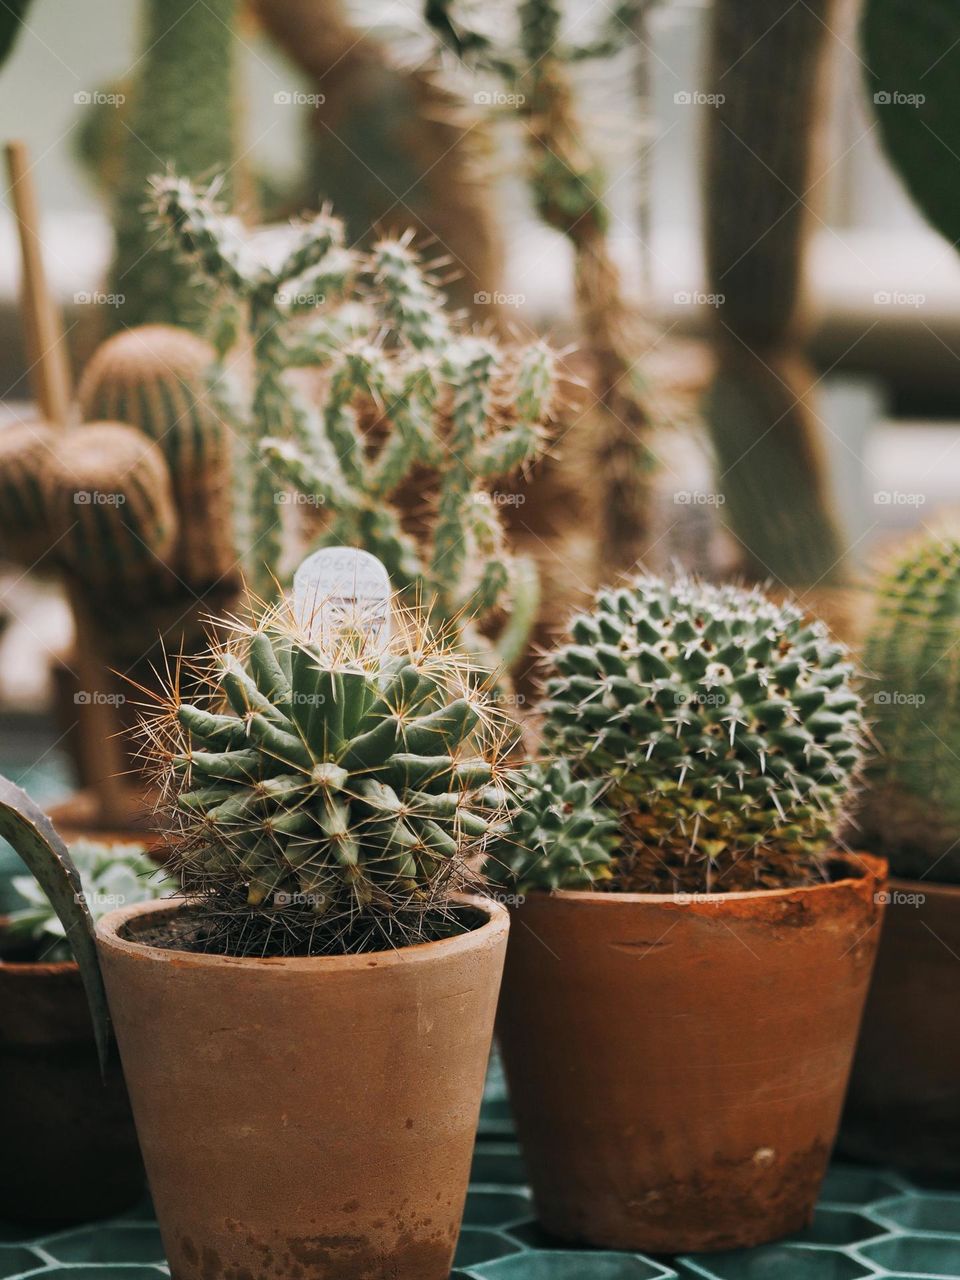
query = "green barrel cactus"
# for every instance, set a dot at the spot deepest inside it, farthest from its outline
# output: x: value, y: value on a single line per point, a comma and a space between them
x: 155, y: 378
x: 728, y: 726
x: 911, y: 60
x: 909, y: 809
x: 326, y: 797
x: 557, y: 835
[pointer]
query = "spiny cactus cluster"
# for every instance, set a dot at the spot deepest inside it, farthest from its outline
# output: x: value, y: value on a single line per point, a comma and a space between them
x: 112, y: 876
x: 910, y: 806
x: 728, y: 726
x: 568, y: 187
x: 327, y: 798
x: 557, y: 834
x: 403, y: 397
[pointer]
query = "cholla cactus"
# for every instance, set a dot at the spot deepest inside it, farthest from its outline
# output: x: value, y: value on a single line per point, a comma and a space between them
x: 727, y: 724
x: 910, y: 807
x: 327, y: 797
x: 557, y: 835
x: 112, y: 875
x: 568, y: 187
x: 394, y: 372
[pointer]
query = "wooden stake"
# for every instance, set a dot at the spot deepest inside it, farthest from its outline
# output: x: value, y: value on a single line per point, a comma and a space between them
x: 50, y: 379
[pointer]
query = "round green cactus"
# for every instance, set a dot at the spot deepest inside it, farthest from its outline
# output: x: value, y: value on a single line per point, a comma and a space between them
x: 728, y: 725
x: 557, y: 835
x: 327, y: 798
x: 910, y: 807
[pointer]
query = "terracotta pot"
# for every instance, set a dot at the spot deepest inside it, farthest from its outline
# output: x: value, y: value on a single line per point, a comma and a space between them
x: 69, y: 1145
x: 677, y: 1063
x: 903, y: 1106
x: 306, y: 1117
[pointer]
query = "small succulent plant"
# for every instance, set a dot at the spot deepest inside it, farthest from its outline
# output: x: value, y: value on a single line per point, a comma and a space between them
x: 557, y: 834
x: 327, y: 796
x: 115, y: 875
x: 909, y: 808
x: 728, y: 725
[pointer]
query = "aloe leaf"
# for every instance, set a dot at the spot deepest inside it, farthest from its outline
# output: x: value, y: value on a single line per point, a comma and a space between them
x: 33, y: 837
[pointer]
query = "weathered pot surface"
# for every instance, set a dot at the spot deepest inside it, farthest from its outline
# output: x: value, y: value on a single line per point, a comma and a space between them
x: 308, y: 1117
x: 677, y: 1064
x: 903, y: 1105
x: 70, y: 1151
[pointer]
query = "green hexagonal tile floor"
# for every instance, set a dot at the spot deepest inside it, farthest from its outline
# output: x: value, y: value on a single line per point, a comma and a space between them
x: 870, y: 1223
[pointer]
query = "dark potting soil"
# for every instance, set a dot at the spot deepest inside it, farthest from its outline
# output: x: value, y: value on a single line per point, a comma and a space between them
x: 205, y: 930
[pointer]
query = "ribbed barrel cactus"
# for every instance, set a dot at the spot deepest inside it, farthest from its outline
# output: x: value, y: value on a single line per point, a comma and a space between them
x: 327, y: 797
x: 728, y: 725
x: 910, y: 806
x: 403, y: 407
x: 155, y: 377
x: 557, y: 834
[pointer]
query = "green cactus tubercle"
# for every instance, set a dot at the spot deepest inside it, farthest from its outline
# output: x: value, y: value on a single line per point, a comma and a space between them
x: 337, y: 792
x: 727, y: 724
x: 557, y: 835
x: 910, y: 806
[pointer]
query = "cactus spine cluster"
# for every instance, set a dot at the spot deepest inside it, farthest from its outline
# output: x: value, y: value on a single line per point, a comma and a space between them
x: 403, y: 394
x: 557, y: 835
x: 568, y: 184
x: 728, y: 726
x: 766, y: 66
x: 327, y: 796
x: 909, y: 809
x: 181, y: 114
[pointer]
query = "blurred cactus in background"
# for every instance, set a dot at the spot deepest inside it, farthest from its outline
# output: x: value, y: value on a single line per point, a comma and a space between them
x: 568, y: 187
x: 910, y: 60
x: 181, y: 113
x: 389, y: 146
x: 403, y: 395
x: 557, y: 834
x: 767, y: 64
x: 909, y: 809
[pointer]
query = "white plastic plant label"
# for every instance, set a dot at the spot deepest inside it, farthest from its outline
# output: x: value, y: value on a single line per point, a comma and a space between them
x: 342, y: 589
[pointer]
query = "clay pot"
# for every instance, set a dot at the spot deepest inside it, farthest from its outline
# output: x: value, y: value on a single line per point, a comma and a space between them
x: 70, y: 1149
x: 306, y: 1117
x: 903, y: 1106
x: 677, y: 1063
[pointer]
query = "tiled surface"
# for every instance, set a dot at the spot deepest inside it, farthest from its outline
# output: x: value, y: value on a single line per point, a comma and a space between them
x: 869, y: 1223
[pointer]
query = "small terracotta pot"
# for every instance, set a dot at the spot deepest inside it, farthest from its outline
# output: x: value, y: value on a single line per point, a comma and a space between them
x: 903, y: 1106
x: 677, y: 1063
x: 69, y: 1145
x: 306, y: 1117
